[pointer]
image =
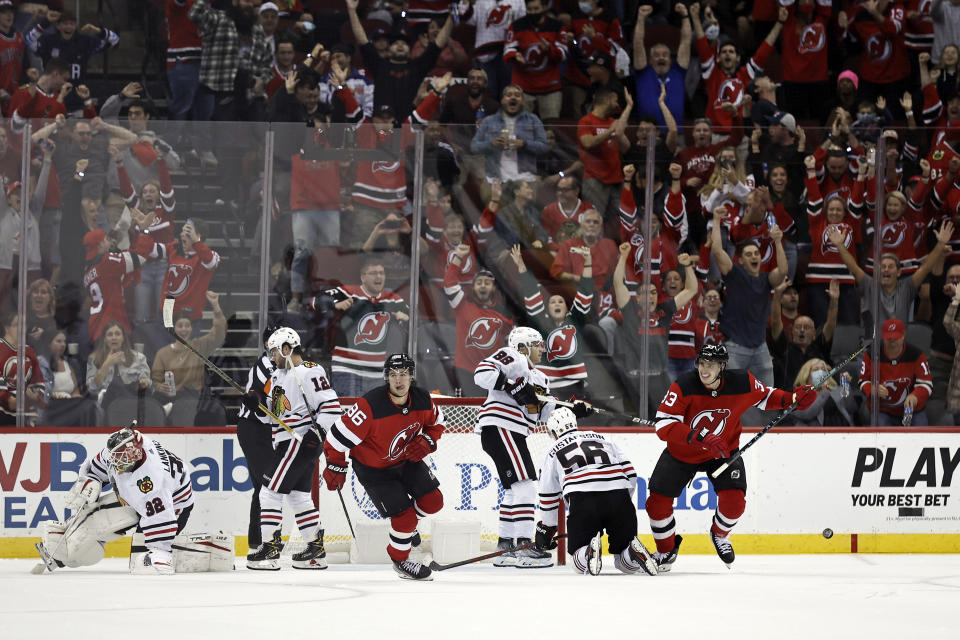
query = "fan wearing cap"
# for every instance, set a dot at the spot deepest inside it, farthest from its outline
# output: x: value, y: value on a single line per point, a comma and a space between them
x: 9, y: 369
x: 482, y: 322
x: 904, y: 381
x: 104, y: 281
x: 12, y: 47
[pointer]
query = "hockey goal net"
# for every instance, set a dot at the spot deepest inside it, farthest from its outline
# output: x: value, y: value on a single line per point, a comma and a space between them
x: 468, y: 480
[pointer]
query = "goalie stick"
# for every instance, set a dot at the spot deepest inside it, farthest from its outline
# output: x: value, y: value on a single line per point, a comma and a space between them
x: 47, y: 563
x: 435, y: 566
x: 850, y: 358
x: 168, y: 324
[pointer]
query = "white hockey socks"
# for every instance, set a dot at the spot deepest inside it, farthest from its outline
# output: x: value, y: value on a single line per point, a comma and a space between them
x: 308, y: 518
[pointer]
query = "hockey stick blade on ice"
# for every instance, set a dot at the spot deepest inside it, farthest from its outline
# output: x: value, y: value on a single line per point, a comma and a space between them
x: 168, y: 324
x: 596, y: 409
x: 786, y: 412
x: 435, y: 566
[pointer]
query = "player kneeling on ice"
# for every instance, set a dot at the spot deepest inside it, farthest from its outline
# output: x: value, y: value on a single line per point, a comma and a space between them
x: 300, y: 395
x: 388, y: 433
x: 596, y: 482
x: 152, y: 492
x: 699, y: 418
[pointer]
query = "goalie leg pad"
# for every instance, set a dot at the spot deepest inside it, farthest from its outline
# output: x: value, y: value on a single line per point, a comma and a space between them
x: 85, y: 540
x: 203, y: 552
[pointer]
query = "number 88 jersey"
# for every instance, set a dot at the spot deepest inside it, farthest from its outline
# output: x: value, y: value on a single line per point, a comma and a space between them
x: 582, y: 461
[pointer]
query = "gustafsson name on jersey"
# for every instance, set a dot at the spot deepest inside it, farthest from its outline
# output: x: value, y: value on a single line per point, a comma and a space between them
x: 931, y: 468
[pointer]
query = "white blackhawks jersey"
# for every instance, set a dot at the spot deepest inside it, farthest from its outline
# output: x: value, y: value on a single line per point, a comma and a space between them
x: 500, y: 409
x: 157, y: 490
x: 582, y: 461
x: 288, y: 403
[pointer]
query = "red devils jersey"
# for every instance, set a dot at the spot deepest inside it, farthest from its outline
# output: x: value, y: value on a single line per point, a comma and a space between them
x: 11, y: 61
x: 699, y: 162
x: 188, y: 276
x: 162, y: 228
x: 918, y: 31
x: 540, y: 71
x: 899, y: 237
x: 884, y: 57
x: 184, y: 35
x: 375, y: 432
x: 361, y: 347
x: 689, y: 408
x: 606, y: 31
x: 708, y: 332
x: 42, y: 105
x: 663, y: 254
x: 908, y: 373
x: 9, y: 364
x: 760, y: 233
x: 825, y: 262
x: 553, y: 216
x: 723, y: 88
x: 481, y: 329
x: 104, y: 283
x: 682, y: 335
x: 805, y: 48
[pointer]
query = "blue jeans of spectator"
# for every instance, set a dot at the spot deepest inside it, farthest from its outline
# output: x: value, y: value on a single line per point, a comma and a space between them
x: 755, y: 359
x: 311, y: 228
x: 184, y: 79
x: 350, y: 385
x: 203, y: 105
x: 677, y: 366
x: 887, y: 420
x: 147, y: 295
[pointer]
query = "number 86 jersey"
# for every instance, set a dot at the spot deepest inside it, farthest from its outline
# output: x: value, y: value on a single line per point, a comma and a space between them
x: 582, y: 461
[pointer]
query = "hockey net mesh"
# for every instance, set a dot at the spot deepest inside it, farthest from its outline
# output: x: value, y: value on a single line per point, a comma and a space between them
x: 468, y: 480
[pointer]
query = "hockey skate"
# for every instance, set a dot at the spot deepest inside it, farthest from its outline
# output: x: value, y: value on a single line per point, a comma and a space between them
x: 724, y: 548
x: 640, y: 555
x: 508, y: 559
x: 665, y: 559
x: 267, y: 557
x: 313, y: 556
x: 595, y: 556
x: 531, y: 557
x: 410, y: 570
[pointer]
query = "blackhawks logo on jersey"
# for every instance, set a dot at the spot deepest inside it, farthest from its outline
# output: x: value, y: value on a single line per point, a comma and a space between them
x: 279, y: 402
x: 145, y: 485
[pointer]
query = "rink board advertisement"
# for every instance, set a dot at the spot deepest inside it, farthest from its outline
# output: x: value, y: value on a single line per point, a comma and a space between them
x: 799, y: 483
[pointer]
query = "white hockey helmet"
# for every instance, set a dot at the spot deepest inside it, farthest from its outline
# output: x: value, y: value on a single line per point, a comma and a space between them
x: 125, y: 447
x: 282, y: 336
x: 523, y: 337
x: 561, y: 421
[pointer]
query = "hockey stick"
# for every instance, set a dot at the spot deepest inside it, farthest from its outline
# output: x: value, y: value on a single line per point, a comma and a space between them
x: 786, y: 412
x: 596, y: 409
x: 47, y: 563
x: 435, y: 566
x: 168, y: 324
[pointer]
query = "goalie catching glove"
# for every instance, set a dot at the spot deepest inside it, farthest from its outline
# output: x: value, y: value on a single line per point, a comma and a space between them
x: 545, y: 537
x: 420, y: 447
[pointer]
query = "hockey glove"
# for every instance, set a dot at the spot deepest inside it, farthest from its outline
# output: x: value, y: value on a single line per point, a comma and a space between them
x: 545, y: 537
x: 420, y: 447
x: 83, y: 492
x: 581, y: 409
x: 335, y: 476
x: 252, y: 400
x: 804, y: 396
x: 522, y: 392
x: 715, y: 445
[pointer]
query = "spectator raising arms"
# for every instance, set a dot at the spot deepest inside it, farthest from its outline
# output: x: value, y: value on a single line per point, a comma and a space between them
x: 105, y: 280
x: 9, y: 367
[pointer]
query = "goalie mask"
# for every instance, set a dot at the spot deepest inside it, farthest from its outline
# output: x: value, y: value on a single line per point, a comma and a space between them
x: 524, y: 337
x: 561, y: 421
x: 126, y: 448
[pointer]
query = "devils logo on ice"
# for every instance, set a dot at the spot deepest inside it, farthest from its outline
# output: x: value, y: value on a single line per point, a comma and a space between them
x: 372, y: 328
x: 399, y: 442
x: 484, y: 333
x: 710, y: 421
x: 562, y: 343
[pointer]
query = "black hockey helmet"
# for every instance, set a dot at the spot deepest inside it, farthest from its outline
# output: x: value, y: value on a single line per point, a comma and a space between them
x: 713, y: 353
x: 398, y: 361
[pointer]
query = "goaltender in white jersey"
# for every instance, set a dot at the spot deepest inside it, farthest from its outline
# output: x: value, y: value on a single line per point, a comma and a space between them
x: 597, y: 482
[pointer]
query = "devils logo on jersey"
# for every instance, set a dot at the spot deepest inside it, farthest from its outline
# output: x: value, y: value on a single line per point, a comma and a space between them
x: 178, y: 279
x: 878, y: 47
x: 898, y: 390
x: 683, y: 314
x: 498, y: 14
x: 730, y: 91
x: 536, y: 57
x: 894, y: 234
x: 399, y: 442
x: 813, y: 38
x: 372, y: 328
x: 713, y: 420
x: 10, y: 370
x: 562, y: 343
x: 484, y: 333
x: 828, y: 247
x: 384, y: 166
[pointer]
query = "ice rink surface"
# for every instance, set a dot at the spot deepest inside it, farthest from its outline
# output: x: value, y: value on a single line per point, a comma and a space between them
x: 762, y: 597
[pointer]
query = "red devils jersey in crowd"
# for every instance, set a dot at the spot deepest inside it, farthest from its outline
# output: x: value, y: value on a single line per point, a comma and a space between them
x: 481, y: 329
x: 723, y: 88
x: 805, y: 46
x: 423, y: 11
x: 934, y: 115
x: 375, y: 432
x: 11, y: 61
x: 899, y: 237
x: 760, y: 233
x: 908, y: 373
x: 682, y: 337
x: 884, y: 50
x: 9, y: 364
x: 663, y: 252
x: 918, y: 30
x: 553, y: 216
x: 314, y: 184
x: 830, y: 187
x: 825, y: 262
x: 708, y: 331
x: 441, y: 253
x: 382, y: 184
x: 540, y: 72
x: 104, y: 284
x: 162, y: 228
x: 188, y: 276
x: 689, y: 406
x: 184, y: 35
x: 362, y: 341
x: 41, y: 105
x: 606, y: 31
x: 699, y: 162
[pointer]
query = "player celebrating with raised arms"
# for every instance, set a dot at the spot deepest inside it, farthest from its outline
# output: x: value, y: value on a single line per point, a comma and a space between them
x: 596, y: 481
x: 699, y: 419
x: 299, y: 393
x: 151, y: 491
x: 388, y: 433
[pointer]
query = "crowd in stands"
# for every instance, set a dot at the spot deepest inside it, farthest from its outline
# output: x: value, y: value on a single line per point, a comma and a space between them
x: 633, y: 179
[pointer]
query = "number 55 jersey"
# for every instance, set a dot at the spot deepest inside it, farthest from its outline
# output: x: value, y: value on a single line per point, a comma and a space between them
x: 157, y: 489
